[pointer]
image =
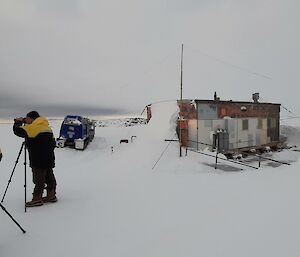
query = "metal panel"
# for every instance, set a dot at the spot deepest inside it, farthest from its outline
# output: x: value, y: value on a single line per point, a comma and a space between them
x: 192, y: 131
x: 206, y: 129
x: 204, y: 134
x: 238, y: 138
x: 261, y: 134
x: 253, y: 123
x: 264, y: 136
x: 218, y: 125
x: 258, y: 137
x: 273, y: 129
x: 251, y: 141
x: 222, y: 141
x: 207, y: 111
x: 232, y: 130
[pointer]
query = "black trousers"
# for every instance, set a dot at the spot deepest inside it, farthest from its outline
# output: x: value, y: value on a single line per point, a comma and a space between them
x: 40, y: 177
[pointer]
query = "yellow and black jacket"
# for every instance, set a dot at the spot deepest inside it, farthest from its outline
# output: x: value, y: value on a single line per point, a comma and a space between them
x: 39, y: 141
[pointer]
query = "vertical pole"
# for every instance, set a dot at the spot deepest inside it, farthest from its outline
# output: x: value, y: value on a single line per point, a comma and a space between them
x: 25, y: 173
x: 237, y: 133
x: 181, y: 72
x: 181, y: 75
x: 197, y: 126
x: 217, y: 150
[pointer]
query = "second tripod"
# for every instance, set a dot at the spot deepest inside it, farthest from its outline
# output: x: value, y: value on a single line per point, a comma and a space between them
x: 23, y: 146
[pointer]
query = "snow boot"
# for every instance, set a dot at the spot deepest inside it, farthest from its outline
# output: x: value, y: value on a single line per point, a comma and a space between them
x: 51, y: 197
x: 36, y: 201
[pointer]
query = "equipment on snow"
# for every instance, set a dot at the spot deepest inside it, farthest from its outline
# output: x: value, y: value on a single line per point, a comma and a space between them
x: 3, y: 208
x: 23, y: 146
x: 12, y: 218
x: 76, y: 131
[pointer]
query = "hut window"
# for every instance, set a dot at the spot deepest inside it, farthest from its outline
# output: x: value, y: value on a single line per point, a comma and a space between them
x: 245, y: 124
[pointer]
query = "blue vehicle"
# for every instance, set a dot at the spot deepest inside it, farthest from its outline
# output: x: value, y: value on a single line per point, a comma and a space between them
x: 76, y: 131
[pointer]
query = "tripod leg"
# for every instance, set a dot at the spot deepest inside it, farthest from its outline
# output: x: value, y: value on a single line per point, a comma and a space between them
x: 23, y: 144
x: 25, y: 175
x: 3, y: 208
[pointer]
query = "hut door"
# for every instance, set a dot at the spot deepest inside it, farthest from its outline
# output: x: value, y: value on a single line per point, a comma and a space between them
x: 192, y: 132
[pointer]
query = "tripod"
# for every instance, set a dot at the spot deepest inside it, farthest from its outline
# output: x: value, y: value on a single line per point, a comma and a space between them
x: 13, y: 171
x: 3, y: 208
x: 1, y: 205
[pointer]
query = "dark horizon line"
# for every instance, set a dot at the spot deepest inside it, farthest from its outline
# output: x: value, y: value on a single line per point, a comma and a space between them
x: 62, y: 111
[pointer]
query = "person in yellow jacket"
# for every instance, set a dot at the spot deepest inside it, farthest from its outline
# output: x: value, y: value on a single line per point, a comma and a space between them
x: 40, y: 143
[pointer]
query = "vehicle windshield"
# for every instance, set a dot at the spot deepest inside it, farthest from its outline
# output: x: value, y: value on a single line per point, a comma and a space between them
x: 72, y: 121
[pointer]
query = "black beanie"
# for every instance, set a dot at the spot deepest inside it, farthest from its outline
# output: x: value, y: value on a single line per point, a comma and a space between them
x: 33, y: 115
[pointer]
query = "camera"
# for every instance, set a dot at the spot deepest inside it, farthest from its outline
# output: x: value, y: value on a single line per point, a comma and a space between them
x: 23, y: 120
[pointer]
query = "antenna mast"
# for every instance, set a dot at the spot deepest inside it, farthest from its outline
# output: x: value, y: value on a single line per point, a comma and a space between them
x: 181, y: 73
x: 180, y: 118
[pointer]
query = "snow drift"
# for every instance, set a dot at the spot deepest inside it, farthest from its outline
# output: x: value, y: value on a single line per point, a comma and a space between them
x: 119, y: 203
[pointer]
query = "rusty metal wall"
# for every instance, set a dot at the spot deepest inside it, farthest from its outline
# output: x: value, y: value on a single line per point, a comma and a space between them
x: 207, y: 111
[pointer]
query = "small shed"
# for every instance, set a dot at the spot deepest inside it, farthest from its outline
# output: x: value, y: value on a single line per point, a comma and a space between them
x: 242, y: 126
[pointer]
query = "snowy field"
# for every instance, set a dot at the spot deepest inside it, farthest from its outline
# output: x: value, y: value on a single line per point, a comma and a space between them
x: 142, y: 200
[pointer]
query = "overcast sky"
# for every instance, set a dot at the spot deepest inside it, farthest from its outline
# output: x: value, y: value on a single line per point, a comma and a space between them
x: 114, y: 57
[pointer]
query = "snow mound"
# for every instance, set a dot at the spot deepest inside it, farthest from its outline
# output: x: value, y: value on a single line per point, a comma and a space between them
x: 126, y: 122
x: 291, y: 134
x: 142, y: 199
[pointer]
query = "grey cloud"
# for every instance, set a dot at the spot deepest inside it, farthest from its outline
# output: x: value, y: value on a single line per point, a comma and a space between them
x: 97, y: 53
x: 12, y: 106
x: 59, y: 111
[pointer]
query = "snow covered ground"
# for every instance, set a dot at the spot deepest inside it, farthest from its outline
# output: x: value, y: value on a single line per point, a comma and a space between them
x: 142, y: 200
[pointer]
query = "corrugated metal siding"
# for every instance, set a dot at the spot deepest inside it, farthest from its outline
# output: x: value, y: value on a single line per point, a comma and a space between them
x: 206, y: 129
x: 263, y: 133
x: 233, y: 135
x: 204, y: 133
x: 273, y: 129
x: 246, y: 136
x: 261, y: 123
x: 253, y: 136
x: 238, y: 138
